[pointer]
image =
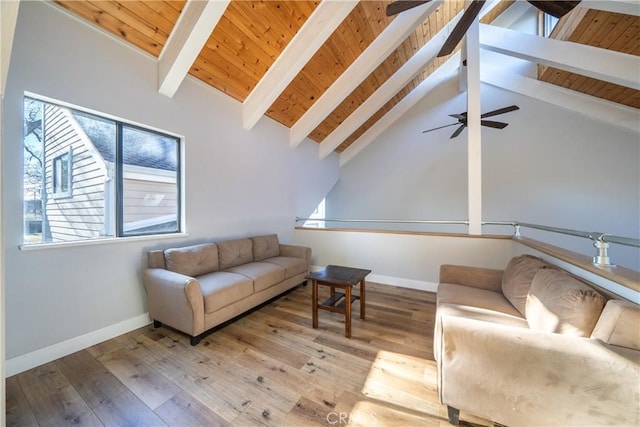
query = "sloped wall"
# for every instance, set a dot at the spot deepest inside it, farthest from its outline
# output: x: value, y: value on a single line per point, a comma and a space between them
x: 238, y: 183
x: 549, y: 166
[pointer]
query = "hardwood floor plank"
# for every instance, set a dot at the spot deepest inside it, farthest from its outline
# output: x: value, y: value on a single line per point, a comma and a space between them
x: 19, y: 412
x: 307, y: 412
x: 277, y: 351
x: 193, y: 377
x: 53, y: 400
x: 306, y: 345
x: 125, y: 409
x: 256, y: 389
x: 93, y: 382
x: 150, y: 386
x: 372, y: 414
x: 348, y: 346
x: 183, y: 409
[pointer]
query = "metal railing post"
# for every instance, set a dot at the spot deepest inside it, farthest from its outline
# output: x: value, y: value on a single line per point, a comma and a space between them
x: 516, y: 230
x: 602, y: 255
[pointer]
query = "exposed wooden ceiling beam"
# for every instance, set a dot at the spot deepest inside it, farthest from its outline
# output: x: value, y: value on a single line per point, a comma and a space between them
x: 189, y: 35
x: 462, y: 71
x: 602, y: 64
x: 395, y: 33
x: 445, y: 72
x: 388, y: 90
x: 9, y: 18
x: 326, y: 17
x: 580, y: 103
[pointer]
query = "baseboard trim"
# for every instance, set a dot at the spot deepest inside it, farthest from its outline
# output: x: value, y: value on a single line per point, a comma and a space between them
x: 396, y: 281
x: 48, y: 354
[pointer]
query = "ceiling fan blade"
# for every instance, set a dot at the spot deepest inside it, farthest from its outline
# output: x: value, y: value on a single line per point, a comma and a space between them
x: 492, y: 124
x: 500, y: 111
x: 557, y: 8
x: 461, y: 28
x: 462, y: 116
x: 401, y: 5
x: 457, y: 132
x: 440, y: 127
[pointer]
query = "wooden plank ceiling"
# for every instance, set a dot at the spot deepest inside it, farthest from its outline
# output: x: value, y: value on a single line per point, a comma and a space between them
x: 252, y: 34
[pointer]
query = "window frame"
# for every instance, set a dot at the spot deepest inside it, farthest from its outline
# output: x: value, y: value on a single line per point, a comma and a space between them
x: 118, y: 213
x: 120, y: 177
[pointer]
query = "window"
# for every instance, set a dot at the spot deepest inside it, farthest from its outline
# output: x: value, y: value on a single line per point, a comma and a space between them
x: 316, y: 218
x: 62, y: 175
x: 548, y: 24
x: 88, y: 177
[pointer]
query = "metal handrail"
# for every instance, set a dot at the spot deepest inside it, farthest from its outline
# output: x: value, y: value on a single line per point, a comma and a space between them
x: 627, y: 241
x: 600, y: 240
x: 387, y: 221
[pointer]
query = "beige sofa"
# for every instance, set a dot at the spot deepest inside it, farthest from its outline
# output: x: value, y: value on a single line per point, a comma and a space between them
x: 533, y: 345
x: 195, y: 288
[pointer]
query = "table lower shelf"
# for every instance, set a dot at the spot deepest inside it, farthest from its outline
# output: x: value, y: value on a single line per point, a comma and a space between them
x: 337, y: 303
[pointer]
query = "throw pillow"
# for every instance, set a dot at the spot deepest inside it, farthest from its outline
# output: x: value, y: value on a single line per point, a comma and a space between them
x: 517, y: 279
x: 192, y: 260
x: 560, y: 303
x: 265, y: 247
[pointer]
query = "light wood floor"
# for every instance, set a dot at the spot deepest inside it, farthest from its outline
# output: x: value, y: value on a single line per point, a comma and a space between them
x: 268, y: 368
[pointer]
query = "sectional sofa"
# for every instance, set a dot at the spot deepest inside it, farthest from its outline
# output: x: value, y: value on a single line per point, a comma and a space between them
x: 195, y: 288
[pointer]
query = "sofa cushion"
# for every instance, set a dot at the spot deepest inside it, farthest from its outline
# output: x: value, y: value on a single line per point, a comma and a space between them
x: 292, y: 266
x: 192, y: 260
x: 263, y: 275
x: 517, y: 278
x: 473, y: 303
x: 618, y: 324
x: 265, y: 247
x: 222, y: 288
x: 234, y: 252
x: 493, y: 305
x: 558, y: 302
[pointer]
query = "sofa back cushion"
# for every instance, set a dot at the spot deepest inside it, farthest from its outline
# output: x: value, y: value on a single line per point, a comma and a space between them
x: 618, y: 324
x: 192, y: 260
x: 517, y: 278
x: 558, y: 302
x: 155, y: 259
x: 265, y: 247
x: 234, y: 252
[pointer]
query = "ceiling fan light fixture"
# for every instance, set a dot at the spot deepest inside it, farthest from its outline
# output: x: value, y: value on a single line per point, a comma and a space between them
x: 462, y: 120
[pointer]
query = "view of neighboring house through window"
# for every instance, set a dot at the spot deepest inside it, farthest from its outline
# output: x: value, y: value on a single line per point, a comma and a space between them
x: 91, y: 177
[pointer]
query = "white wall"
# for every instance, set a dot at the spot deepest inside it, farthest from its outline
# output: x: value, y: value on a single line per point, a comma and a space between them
x: 549, y: 166
x: 407, y: 260
x: 238, y: 182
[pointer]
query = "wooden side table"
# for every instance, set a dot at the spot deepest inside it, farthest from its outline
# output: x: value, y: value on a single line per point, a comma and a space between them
x: 344, y: 278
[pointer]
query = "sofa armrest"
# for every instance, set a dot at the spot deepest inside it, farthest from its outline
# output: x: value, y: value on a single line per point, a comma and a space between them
x: 477, y: 277
x: 295, y: 251
x: 175, y: 299
x: 519, y: 376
